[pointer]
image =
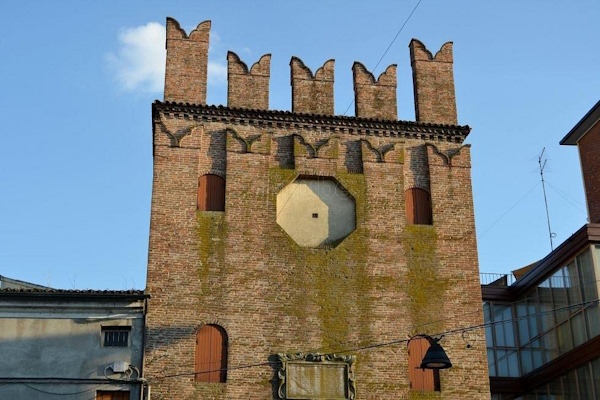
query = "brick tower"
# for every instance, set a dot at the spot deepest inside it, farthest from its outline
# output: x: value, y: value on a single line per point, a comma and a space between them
x: 293, y: 254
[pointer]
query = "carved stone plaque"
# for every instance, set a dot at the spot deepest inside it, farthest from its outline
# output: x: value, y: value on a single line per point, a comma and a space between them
x: 316, y: 376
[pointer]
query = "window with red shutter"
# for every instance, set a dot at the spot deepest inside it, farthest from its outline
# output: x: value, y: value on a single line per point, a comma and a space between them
x: 211, y: 193
x: 424, y: 380
x: 112, y: 395
x: 211, y: 354
x: 418, y: 207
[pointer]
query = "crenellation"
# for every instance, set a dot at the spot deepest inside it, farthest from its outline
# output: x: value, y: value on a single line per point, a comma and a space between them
x: 375, y: 98
x: 186, y: 70
x: 248, y: 88
x: 312, y: 94
x: 433, y: 84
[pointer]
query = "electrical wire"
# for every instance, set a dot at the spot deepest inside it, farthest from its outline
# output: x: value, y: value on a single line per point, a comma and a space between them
x: 572, y: 201
x: 396, y: 341
x: 389, y: 46
x: 461, y: 330
x: 509, y: 210
x: 59, y: 394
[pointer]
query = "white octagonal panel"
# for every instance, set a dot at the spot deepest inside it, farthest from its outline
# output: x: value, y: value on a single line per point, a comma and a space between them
x: 315, y: 212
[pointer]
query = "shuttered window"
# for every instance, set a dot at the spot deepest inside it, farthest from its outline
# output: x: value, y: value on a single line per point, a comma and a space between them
x: 418, y: 207
x: 112, y: 395
x: 211, y: 193
x: 211, y: 354
x: 424, y: 380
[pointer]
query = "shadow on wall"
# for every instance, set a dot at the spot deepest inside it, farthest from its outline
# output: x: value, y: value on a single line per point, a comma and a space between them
x: 353, y: 160
x: 81, y: 355
x: 285, y: 152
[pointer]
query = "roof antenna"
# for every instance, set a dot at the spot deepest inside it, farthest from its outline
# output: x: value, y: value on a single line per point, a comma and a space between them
x: 542, y: 162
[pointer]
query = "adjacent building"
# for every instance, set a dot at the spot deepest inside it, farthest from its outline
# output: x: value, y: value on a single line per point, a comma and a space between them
x: 72, y: 344
x: 293, y: 254
x: 543, y: 331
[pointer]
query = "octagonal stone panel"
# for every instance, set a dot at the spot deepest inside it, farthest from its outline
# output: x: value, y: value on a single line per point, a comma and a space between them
x: 316, y: 212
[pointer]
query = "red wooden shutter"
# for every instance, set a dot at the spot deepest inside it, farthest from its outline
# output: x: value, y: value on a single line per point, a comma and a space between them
x: 112, y: 395
x: 211, y: 193
x: 418, y: 207
x: 425, y: 380
x: 211, y: 354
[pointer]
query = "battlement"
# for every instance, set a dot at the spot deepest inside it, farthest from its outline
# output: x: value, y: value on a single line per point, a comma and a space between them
x: 312, y: 94
x: 248, y: 88
x: 375, y: 98
x: 187, y: 63
x: 433, y: 84
x: 433, y: 81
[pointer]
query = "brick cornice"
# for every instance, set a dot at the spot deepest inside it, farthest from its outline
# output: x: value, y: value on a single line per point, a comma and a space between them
x: 289, y: 120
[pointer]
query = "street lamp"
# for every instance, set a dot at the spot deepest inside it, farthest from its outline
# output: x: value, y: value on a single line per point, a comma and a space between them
x: 435, y: 357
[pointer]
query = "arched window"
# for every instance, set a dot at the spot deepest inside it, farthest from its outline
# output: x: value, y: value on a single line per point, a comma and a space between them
x: 211, y: 193
x: 211, y: 354
x: 424, y: 380
x: 418, y: 207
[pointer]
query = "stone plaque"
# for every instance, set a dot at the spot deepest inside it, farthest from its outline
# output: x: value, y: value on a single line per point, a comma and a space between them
x: 316, y: 376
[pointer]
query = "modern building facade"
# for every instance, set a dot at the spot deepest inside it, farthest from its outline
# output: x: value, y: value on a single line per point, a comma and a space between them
x: 543, y: 331
x: 71, y: 344
x: 293, y: 253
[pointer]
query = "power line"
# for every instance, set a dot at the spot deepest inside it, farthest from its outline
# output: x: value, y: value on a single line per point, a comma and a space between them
x: 569, y: 199
x: 464, y: 329
x: 582, y: 305
x: 57, y: 393
x: 508, y: 210
x: 389, y: 46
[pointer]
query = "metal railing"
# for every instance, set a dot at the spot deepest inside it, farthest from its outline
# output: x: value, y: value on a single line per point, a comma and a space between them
x: 491, y: 278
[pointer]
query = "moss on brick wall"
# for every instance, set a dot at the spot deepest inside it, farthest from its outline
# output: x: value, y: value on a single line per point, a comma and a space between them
x: 424, y: 285
x: 212, y: 235
x: 333, y: 282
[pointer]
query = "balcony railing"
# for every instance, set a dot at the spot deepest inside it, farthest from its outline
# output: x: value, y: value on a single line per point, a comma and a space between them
x: 491, y: 278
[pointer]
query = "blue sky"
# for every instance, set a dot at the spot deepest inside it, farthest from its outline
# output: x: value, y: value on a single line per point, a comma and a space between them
x: 78, y: 78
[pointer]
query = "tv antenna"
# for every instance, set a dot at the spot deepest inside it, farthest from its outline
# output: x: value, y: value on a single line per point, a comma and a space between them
x: 542, y: 162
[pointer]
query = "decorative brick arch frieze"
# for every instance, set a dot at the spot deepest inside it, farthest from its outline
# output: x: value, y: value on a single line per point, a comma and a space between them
x: 176, y: 135
x: 450, y: 155
x: 383, y: 153
x: 322, y: 148
x: 237, y: 143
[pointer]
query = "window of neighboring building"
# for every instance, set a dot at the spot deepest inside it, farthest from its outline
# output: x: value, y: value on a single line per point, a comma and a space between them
x: 418, y: 207
x: 112, y: 395
x: 115, y: 336
x: 211, y: 354
x: 554, y: 317
x: 424, y: 380
x: 211, y: 193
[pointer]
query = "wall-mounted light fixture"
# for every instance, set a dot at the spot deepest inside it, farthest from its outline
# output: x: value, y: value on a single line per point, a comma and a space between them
x: 435, y: 357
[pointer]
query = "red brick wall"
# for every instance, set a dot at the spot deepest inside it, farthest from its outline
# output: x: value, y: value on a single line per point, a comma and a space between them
x: 312, y: 94
x: 187, y: 62
x: 248, y: 88
x: 433, y: 83
x: 238, y: 269
x: 375, y: 98
x: 589, y: 154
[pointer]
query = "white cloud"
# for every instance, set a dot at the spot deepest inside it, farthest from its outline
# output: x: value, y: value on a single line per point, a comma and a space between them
x: 139, y: 64
x: 217, y: 73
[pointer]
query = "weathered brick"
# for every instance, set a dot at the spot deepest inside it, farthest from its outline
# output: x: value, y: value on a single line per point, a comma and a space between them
x: 385, y: 282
